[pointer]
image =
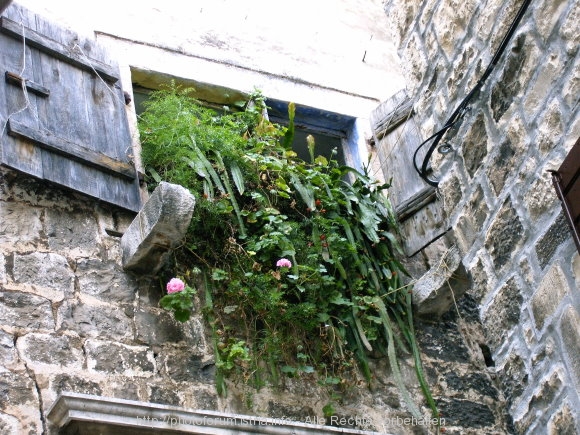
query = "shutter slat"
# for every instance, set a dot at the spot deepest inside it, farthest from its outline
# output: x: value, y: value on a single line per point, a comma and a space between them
x: 35, y: 88
x: 56, y: 49
x: 58, y: 145
x: 393, y: 119
x: 412, y: 205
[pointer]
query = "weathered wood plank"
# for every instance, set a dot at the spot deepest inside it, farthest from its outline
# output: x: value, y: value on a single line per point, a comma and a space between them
x: 91, y: 181
x: 65, y: 115
x: 415, y: 203
x: 394, y: 118
x: 423, y: 227
x: 96, y: 114
x: 22, y: 155
x: 96, y: 119
x: 49, y: 141
x: 381, y: 116
x: 108, y: 125
x: 56, y: 49
x: 14, y: 79
x: 14, y: 56
x: 395, y: 152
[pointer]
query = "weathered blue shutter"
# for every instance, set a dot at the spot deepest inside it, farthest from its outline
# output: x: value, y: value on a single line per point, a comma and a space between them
x: 62, y: 110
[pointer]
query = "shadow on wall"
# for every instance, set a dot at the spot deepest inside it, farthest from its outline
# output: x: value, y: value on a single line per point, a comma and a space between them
x: 4, y: 4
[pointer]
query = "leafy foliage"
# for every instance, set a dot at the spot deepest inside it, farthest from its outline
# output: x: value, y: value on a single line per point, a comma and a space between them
x: 180, y: 303
x: 340, y: 300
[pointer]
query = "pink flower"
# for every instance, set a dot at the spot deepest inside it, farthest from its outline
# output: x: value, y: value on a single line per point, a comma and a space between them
x: 283, y: 262
x: 175, y: 286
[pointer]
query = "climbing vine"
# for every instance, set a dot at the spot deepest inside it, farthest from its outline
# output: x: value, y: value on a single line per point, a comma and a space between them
x: 297, y: 259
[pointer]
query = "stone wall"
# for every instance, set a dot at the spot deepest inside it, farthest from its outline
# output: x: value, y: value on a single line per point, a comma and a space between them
x: 495, y: 185
x: 73, y: 321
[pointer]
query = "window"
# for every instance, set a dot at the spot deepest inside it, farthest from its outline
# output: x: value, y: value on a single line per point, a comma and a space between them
x: 331, y: 131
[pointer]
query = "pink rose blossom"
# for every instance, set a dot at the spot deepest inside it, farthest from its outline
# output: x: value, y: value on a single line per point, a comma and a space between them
x: 283, y: 262
x: 175, y: 286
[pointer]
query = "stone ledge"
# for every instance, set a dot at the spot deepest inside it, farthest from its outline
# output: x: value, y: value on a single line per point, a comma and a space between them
x: 158, y: 228
x: 84, y: 414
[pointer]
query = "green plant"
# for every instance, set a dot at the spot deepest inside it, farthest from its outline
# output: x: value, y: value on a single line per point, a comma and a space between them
x: 232, y: 354
x: 178, y: 300
x: 299, y: 259
x: 328, y: 410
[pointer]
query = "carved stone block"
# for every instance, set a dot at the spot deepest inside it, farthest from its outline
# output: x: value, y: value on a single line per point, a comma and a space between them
x: 157, y: 229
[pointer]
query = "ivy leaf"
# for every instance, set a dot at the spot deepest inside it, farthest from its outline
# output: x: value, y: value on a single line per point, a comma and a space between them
x: 328, y: 409
x: 289, y: 370
x: 182, y: 315
x: 375, y: 319
x: 281, y: 185
x: 181, y: 304
x: 321, y: 160
x: 337, y: 299
x: 219, y: 275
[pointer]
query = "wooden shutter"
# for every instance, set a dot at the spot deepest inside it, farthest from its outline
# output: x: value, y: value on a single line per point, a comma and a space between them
x: 396, y: 138
x: 62, y: 110
x: 567, y: 184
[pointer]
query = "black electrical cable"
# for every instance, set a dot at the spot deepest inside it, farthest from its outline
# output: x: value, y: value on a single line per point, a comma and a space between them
x: 458, y: 114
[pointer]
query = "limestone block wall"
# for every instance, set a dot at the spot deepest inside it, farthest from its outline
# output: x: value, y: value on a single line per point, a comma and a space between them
x: 71, y: 320
x: 495, y: 186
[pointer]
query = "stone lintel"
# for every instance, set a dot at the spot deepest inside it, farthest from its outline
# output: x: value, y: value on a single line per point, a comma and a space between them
x: 157, y: 229
x: 84, y: 414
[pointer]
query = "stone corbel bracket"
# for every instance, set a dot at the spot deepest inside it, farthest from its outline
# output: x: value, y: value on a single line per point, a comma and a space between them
x: 436, y: 291
x: 157, y: 229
